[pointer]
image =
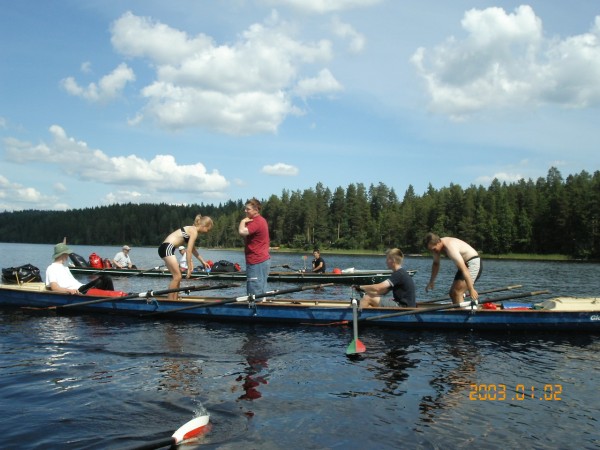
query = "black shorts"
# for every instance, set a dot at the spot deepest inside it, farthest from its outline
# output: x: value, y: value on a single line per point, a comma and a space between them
x: 166, y: 249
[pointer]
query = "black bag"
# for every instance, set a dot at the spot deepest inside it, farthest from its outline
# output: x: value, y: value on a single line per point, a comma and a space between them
x: 20, y: 275
x: 224, y: 266
x: 78, y: 260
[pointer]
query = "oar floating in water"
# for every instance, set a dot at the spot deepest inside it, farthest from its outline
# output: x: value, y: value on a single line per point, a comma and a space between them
x: 191, y: 430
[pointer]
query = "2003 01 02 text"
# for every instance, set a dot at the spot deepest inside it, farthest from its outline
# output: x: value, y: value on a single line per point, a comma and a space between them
x: 500, y: 392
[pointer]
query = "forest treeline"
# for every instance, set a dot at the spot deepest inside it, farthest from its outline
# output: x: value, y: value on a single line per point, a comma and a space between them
x: 551, y: 215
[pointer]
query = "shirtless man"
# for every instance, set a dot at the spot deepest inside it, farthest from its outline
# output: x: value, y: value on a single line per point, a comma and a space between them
x: 467, y: 262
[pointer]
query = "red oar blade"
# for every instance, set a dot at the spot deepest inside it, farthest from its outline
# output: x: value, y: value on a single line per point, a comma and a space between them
x: 192, y: 429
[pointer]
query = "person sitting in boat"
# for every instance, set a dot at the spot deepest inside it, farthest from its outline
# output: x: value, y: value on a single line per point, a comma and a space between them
x: 183, y: 260
x: 318, y: 263
x: 400, y: 283
x: 122, y: 259
x: 60, y: 279
x: 185, y: 235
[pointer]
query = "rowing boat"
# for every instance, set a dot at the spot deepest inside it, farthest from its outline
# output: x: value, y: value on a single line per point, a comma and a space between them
x: 351, y: 277
x: 313, y: 311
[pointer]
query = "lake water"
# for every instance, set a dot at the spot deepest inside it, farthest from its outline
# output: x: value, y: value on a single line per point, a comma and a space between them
x: 103, y: 382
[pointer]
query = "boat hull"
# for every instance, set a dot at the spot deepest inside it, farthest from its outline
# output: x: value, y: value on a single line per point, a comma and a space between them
x: 306, y: 312
x: 356, y: 277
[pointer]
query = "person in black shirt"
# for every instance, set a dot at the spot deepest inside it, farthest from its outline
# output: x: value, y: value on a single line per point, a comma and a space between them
x: 318, y: 264
x: 400, y: 283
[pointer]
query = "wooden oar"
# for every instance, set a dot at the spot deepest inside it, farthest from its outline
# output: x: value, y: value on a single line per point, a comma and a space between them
x: 244, y: 298
x: 187, y: 431
x: 136, y: 274
x: 356, y: 346
x: 146, y: 294
x: 152, y: 269
x: 453, y: 305
x: 489, y: 291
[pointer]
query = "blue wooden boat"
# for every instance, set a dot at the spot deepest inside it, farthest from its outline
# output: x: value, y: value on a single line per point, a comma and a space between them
x: 585, y: 316
x: 351, y: 277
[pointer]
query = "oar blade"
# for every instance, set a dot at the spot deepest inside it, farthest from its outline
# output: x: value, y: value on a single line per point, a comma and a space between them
x: 355, y: 347
x: 192, y: 429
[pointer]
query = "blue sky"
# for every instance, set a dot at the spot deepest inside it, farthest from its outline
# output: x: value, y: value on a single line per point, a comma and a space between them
x: 116, y: 101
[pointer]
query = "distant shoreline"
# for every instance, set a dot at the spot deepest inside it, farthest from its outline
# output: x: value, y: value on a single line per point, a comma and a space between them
x: 504, y: 257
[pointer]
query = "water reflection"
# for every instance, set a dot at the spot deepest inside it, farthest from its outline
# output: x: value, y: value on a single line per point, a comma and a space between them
x: 452, y: 377
x: 256, y: 350
x: 395, y: 364
x: 178, y: 372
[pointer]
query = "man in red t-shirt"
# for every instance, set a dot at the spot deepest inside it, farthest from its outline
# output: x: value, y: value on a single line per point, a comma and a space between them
x: 255, y: 231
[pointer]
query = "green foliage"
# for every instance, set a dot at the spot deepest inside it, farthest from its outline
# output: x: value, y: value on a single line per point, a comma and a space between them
x: 549, y: 216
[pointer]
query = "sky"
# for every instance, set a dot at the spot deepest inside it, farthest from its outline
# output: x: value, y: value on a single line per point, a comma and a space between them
x: 202, y: 102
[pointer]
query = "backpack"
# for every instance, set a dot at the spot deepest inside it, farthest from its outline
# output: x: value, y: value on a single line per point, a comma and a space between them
x: 22, y: 274
x: 95, y: 261
x: 225, y: 266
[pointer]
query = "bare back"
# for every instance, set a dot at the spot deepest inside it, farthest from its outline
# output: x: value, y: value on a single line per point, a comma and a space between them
x: 455, y: 249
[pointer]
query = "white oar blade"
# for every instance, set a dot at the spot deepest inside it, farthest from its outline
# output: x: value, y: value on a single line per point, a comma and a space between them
x: 192, y: 429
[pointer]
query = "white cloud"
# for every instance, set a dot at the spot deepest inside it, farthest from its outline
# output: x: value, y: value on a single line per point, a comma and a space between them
x: 86, y: 67
x: 323, y: 83
x: 240, y: 88
x: 59, y: 187
x: 502, y: 177
x: 76, y: 158
x: 347, y: 31
x: 506, y: 62
x: 280, y: 169
x: 326, y: 6
x: 124, y: 196
x: 3, y: 123
x: 16, y: 197
x: 108, y: 88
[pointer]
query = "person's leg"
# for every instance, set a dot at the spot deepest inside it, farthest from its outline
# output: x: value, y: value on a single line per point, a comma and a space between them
x: 459, y: 286
x: 370, y: 301
x: 457, y: 291
x: 101, y: 282
x: 106, y: 283
x: 265, y: 268
x: 256, y: 277
x: 173, y: 267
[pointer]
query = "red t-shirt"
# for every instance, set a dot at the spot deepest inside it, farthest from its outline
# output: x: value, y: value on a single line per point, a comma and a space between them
x: 257, y: 242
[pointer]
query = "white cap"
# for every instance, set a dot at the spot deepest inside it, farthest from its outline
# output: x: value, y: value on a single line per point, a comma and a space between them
x: 181, y: 247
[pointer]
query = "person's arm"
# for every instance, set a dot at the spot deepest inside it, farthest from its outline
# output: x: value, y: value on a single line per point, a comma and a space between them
x: 378, y: 289
x: 54, y: 287
x: 318, y: 267
x: 435, y: 268
x: 191, y: 250
x: 199, y: 257
x: 242, y: 228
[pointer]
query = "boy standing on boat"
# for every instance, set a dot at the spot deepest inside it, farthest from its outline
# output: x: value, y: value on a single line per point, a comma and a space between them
x: 467, y: 262
x: 400, y: 283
